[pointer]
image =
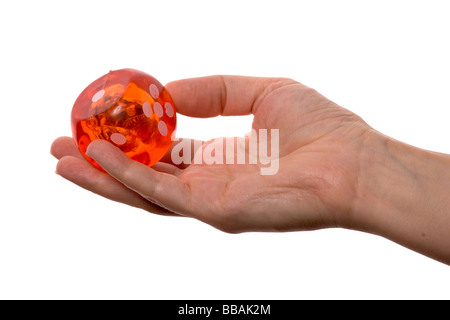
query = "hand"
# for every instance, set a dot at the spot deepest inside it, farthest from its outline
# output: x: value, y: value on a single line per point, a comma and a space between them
x: 319, y: 149
x: 334, y: 170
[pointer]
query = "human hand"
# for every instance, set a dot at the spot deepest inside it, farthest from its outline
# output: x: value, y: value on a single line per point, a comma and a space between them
x: 333, y: 171
x: 320, y: 146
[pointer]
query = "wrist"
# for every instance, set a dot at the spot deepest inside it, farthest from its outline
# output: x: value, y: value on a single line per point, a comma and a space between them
x: 403, y: 195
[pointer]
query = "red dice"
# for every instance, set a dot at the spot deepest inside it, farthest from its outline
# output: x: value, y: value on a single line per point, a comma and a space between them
x: 128, y: 108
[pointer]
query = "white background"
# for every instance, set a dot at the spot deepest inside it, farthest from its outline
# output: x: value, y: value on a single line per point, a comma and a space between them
x: 387, y: 61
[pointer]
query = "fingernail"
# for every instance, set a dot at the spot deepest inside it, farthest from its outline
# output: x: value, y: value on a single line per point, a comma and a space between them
x: 88, y: 150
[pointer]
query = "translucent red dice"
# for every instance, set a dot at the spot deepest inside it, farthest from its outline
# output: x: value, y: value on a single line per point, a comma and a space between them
x: 128, y: 108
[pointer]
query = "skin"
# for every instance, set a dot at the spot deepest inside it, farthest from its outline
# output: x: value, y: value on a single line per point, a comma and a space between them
x: 334, y: 170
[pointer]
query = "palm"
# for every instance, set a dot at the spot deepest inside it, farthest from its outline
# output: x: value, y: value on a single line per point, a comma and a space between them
x: 318, y: 162
x: 315, y: 169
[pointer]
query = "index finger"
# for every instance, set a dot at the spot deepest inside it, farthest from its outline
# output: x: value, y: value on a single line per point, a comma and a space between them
x: 221, y: 95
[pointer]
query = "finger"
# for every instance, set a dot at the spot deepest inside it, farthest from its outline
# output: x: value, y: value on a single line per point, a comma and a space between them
x: 167, y: 168
x: 64, y: 146
x: 181, y: 152
x: 221, y: 95
x: 83, y: 174
x: 161, y: 188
